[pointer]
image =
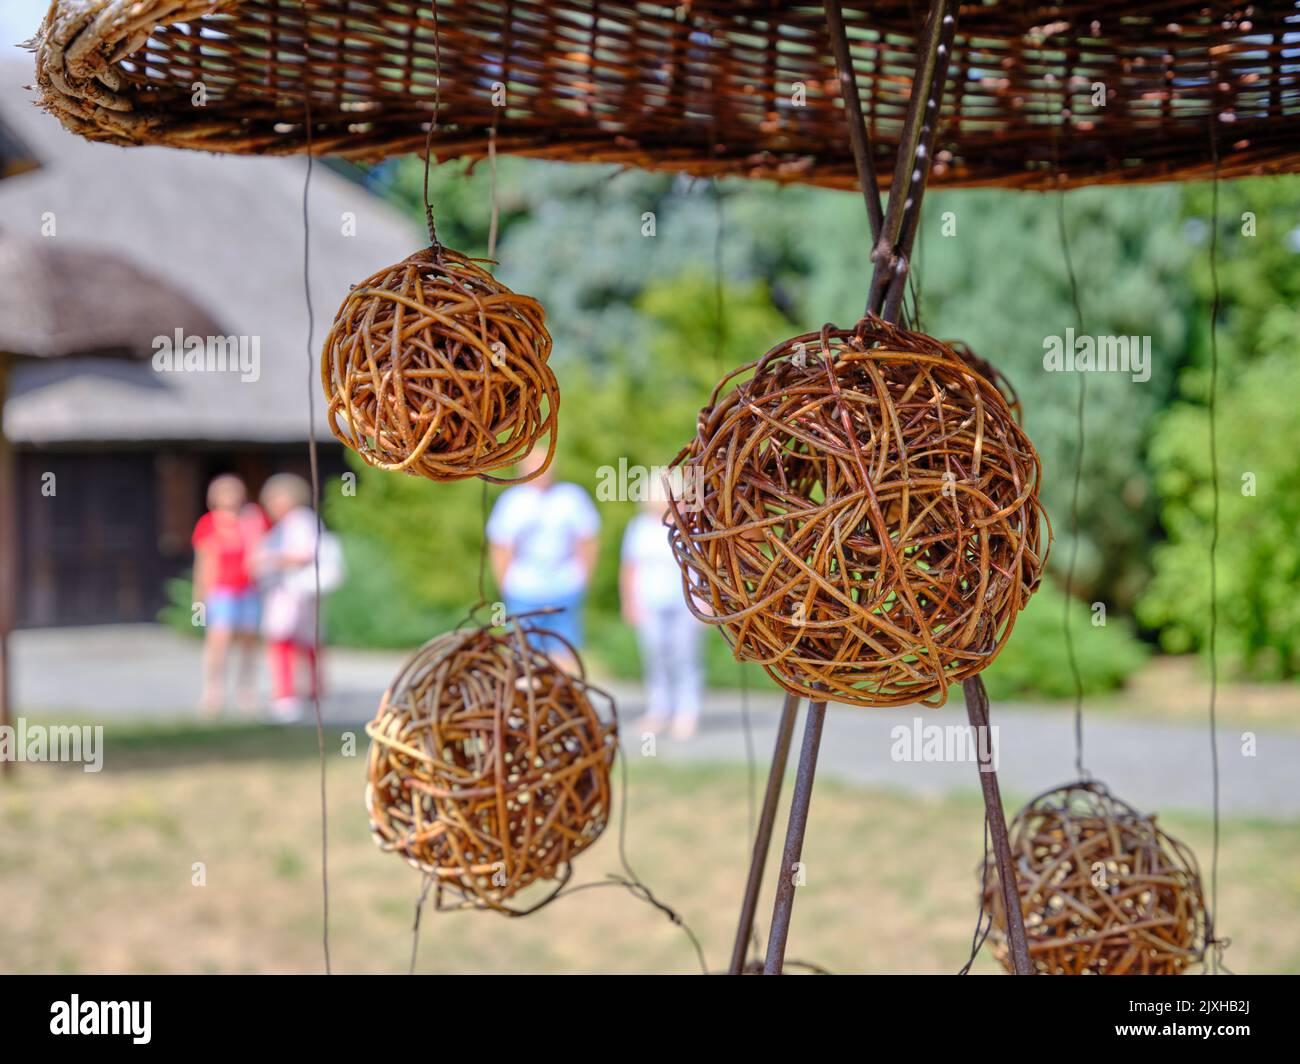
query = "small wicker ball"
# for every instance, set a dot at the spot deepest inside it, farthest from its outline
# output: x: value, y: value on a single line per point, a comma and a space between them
x: 1103, y: 890
x: 435, y: 368
x: 860, y: 516
x: 489, y: 767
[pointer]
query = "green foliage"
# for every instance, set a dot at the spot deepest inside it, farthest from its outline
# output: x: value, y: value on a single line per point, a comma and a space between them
x: 375, y: 608
x: 1258, y: 268
x: 625, y: 264
x: 177, y: 614
x: 1258, y: 553
x: 1001, y: 284
x: 1035, y: 662
x: 412, y: 545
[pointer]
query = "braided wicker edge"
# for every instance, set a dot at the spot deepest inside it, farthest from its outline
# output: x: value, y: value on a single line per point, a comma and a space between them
x: 80, y: 49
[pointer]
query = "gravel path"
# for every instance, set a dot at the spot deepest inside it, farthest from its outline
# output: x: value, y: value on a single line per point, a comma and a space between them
x: 145, y: 671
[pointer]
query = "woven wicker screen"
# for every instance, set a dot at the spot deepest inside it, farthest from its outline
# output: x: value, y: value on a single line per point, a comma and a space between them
x: 711, y: 87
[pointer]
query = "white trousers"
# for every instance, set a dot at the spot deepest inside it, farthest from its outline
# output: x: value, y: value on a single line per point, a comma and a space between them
x: 670, y: 662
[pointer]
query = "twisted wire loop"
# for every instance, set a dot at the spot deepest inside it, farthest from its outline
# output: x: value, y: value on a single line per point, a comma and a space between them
x: 1103, y: 889
x: 860, y: 516
x: 489, y: 767
x: 433, y: 367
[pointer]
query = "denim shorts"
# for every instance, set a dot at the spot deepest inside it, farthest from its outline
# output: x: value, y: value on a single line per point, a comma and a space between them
x: 567, y: 622
x: 233, y: 610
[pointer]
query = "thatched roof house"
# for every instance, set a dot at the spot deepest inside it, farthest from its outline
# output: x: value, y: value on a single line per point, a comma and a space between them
x: 204, y: 244
x: 225, y: 231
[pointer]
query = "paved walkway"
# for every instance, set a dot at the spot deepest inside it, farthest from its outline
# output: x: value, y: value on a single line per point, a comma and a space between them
x: 145, y: 671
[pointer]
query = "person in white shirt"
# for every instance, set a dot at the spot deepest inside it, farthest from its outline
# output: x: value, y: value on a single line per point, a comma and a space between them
x: 285, y: 563
x: 544, y: 538
x: 650, y: 585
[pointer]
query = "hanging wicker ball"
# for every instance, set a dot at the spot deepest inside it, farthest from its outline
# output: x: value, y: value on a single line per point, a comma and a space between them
x: 860, y: 516
x: 489, y: 767
x: 433, y: 367
x: 993, y: 375
x: 1104, y: 891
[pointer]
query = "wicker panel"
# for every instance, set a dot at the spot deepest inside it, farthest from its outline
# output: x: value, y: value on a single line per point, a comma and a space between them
x: 715, y: 86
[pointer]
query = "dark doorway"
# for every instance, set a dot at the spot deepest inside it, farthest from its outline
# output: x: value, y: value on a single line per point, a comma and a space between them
x: 101, y: 532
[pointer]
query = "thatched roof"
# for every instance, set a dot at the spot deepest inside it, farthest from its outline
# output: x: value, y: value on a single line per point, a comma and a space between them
x: 225, y: 233
x: 58, y: 298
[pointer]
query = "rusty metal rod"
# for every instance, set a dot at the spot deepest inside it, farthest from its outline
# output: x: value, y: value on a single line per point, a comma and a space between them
x: 886, y: 233
x: 794, y: 834
x: 889, y: 245
x: 977, y: 711
x: 859, y: 136
x: 920, y: 173
x: 763, y: 838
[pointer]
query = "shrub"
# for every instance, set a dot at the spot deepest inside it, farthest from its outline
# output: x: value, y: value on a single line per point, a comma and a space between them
x: 1258, y: 555
x: 1035, y: 662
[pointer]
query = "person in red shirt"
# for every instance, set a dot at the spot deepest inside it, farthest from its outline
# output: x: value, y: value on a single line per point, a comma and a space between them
x: 224, y: 540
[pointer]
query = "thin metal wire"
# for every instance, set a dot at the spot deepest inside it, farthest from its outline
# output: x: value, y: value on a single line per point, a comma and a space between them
x: 496, y: 205
x: 1080, y: 407
x: 719, y: 345
x: 982, y: 925
x: 415, y: 927
x: 313, y: 459
x: 1214, y: 943
x: 433, y: 125
x: 632, y: 882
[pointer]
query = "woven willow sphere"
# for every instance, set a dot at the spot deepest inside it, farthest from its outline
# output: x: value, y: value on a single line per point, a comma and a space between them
x: 433, y: 367
x: 1103, y: 890
x: 489, y: 767
x: 993, y: 375
x: 860, y: 516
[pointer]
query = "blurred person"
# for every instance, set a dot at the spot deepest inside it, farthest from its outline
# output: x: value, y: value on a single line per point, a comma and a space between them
x: 544, y: 538
x: 650, y: 587
x: 286, y: 567
x: 224, y: 541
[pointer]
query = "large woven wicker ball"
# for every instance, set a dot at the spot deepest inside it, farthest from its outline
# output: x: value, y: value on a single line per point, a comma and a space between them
x: 489, y: 767
x: 433, y: 367
x: 1103, y: 890
x: 859, y: 513
x: 993, y: 375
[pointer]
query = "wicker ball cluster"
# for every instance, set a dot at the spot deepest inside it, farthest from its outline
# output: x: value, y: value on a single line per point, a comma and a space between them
x: 860, y: 516
x: 489, y: 767
x: 1103, y: 889
x: 433, y: 367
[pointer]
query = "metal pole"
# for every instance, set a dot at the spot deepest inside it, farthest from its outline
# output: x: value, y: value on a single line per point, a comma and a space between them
x: 858, y: 136
x: 912, y: 166
x: 794, y: 833
x: 920, y: 173
x: 763, y: 840
x: 977, y: 711
x: 908, y: 165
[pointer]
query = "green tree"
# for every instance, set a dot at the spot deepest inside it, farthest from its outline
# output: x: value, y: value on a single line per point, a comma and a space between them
x: 1258, y: 554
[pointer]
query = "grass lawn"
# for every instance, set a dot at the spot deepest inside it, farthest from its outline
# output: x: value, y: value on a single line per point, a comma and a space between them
x: 96, y: 872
